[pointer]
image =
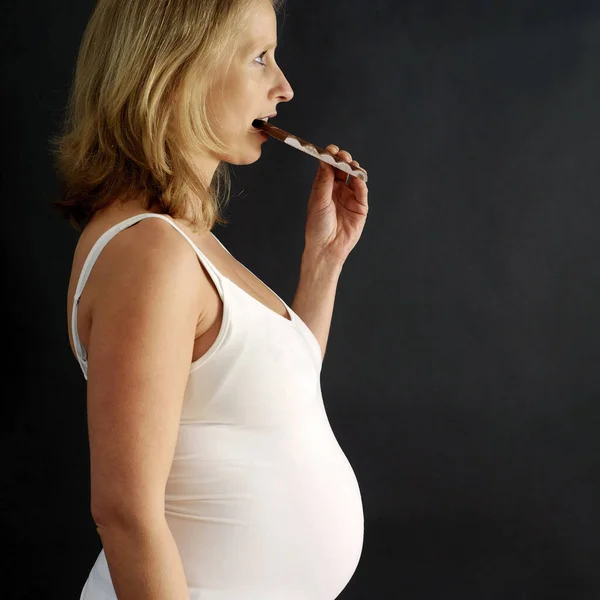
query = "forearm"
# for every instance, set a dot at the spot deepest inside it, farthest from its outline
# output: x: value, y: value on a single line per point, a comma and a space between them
x: 144, y: 562
x: 315, y: 296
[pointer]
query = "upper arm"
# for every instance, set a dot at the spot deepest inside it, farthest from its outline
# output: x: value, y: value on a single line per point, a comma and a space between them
x: 145, y: 308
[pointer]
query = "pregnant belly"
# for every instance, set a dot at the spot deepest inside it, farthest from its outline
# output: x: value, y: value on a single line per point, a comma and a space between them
x: 329, y: 532
x: 290, y: 528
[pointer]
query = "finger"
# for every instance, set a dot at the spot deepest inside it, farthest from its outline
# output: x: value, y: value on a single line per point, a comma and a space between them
x: 345, y: 155
x: 324, y: 178
x: 346, y: 176
x: 356, y: 165
x: 360, y: 188
x: 340, y: 154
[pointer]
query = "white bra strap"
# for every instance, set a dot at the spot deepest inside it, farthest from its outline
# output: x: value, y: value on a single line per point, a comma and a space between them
x: 102, y: 241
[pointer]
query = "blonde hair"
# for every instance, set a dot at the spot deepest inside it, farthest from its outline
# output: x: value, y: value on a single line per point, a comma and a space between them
x: 139, y: 111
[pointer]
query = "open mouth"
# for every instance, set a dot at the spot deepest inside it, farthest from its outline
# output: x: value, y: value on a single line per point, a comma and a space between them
x: 258, y: 123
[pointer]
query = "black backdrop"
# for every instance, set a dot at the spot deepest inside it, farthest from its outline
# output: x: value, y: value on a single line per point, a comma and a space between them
x: 461, y: 376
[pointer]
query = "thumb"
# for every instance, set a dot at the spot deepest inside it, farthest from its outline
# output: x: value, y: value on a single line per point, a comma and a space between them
x: 324, y: 179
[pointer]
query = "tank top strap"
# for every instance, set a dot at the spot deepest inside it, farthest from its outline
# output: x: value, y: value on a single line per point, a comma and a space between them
x: 97, y: 248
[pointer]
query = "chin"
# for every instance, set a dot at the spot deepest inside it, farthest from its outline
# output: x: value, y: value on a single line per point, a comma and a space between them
x: 246, y: 155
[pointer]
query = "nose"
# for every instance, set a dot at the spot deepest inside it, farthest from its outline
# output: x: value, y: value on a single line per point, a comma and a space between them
x: 283, y: 91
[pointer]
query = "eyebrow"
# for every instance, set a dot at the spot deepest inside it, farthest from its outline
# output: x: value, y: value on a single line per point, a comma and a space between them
x: 260, y: 43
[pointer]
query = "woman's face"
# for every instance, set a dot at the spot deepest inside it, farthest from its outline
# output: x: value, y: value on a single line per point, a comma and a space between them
x: 252, y: 88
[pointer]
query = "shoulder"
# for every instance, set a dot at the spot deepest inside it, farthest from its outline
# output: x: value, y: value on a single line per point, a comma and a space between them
x: 150, y: 256
x: 152, y: 243
x: 152, y: 237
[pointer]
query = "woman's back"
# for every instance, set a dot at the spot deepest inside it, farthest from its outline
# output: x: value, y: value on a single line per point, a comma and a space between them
x: 259, y: 498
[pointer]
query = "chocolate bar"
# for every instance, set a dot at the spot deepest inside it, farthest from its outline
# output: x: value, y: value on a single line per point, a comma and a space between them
x: 310, y: 149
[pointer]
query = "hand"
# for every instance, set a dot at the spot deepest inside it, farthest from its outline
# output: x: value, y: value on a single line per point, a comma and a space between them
x: 337, y: 211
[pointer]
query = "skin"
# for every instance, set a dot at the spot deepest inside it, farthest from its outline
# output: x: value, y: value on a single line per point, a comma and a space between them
x: 252, y: 88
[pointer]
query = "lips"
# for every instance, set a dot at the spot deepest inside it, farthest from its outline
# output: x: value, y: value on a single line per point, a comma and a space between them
x: 257, y: 122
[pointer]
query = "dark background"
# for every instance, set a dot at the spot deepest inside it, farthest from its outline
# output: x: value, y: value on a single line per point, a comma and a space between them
x: 462, y: 376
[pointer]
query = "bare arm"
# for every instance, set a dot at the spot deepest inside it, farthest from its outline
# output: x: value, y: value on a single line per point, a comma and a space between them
x: 315, y: 296
x: 144, y: 314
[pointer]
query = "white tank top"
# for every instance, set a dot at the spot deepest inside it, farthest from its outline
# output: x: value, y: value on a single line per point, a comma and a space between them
x: 261, y: 500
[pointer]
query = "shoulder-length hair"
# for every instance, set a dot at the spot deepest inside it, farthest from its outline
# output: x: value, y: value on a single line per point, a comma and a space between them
x: 138, y: 115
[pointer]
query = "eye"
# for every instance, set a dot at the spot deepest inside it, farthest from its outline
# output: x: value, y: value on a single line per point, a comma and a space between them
x: 259, y: 62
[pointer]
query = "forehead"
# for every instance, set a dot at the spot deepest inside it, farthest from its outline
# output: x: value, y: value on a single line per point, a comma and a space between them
x: 260, y: 26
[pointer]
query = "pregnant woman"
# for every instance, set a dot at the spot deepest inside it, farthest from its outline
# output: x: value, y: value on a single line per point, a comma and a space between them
x: 215, y: 474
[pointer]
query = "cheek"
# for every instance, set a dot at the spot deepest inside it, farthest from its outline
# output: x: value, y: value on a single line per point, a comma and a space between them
x: 241, y: 100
